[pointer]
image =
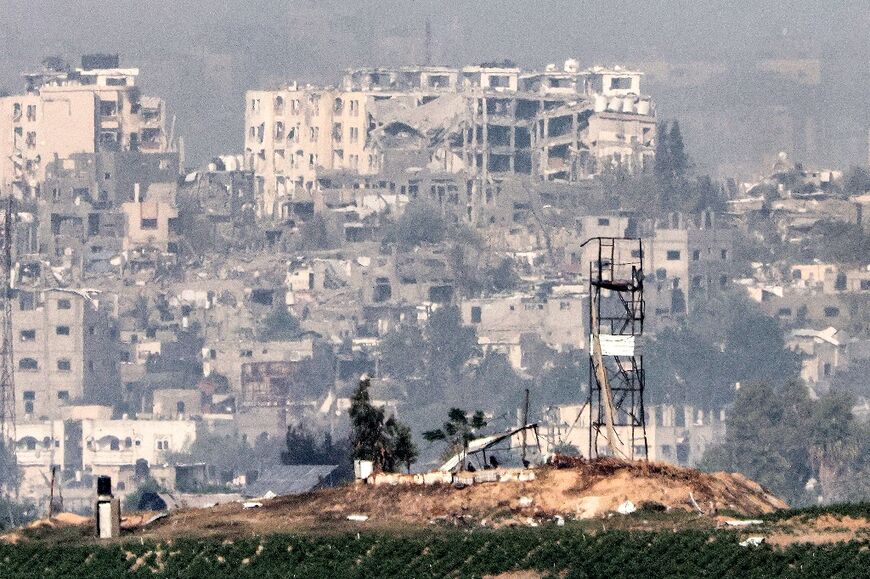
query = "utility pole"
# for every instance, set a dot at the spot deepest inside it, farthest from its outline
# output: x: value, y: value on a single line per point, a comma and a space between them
x: 525, y: 423
x: 427, y: 56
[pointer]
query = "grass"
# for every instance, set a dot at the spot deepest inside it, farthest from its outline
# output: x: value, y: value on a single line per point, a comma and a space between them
x: 855, y: 510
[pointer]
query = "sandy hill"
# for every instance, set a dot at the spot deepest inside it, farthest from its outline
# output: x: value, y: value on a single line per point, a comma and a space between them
x: 572, y: 489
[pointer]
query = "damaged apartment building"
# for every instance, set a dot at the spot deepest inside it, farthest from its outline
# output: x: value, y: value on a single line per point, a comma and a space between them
x: 216, y: 205
x: 65, y: 111
x: 65, y: 352
x: 105, y: 211
x: 464, y: 129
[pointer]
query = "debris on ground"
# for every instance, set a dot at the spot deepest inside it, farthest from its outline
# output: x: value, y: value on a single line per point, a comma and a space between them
x: 752, y: 542
x: 626, y: 508
x: 743, y: 523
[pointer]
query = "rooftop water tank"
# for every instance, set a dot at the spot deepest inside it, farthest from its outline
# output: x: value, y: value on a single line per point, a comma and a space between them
x: 643, y: 107
x: 599, y: 103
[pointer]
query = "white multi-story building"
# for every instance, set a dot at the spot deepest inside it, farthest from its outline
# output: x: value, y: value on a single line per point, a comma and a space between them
x: 485, y: 122
x: 65, y: 111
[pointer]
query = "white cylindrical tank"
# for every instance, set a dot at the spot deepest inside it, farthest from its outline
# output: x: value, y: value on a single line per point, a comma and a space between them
x: 600, y: 103
x: 628, y: 105
x: 643, y: 107
x: 230, y: 163
x: 615, y: 104
x: 572, y: 65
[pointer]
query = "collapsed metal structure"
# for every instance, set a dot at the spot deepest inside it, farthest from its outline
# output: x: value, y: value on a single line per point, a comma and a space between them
x: 616, y: 375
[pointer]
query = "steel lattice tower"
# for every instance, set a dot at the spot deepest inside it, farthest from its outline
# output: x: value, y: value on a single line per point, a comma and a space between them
x: 616, y: 375
x: 7, y: 367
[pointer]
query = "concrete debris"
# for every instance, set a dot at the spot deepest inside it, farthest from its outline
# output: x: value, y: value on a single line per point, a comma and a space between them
x: 626, y: 508
x: 752, y: 541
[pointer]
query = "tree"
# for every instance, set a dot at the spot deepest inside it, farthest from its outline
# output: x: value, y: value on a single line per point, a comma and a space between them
x: 764, y: 441
x: 55, y: 64
x: 492, y: 384
x: 679, y: 161
x: 367, y: 423
x: 781, y: 438
x: 700, y: 361
x: 279, y: 326
x: 304, y: 448
x: 708, y: 196
x: 566, y: 449
x: 832, y: 446
x: 755, y: 348
x: 230, y: 454
x: 420, y: 223
x: 502, y: 277
x: 404, y: 451
x: 839, y: 242
x: 458, y: 430
x: 450, y: 343
x: 857, y: 181
x: 403, y: 351
x: 315, y: 234
x: 564, y: 380
x: 10, y: 474
x: 148, y: 485
x: 387, y: 443
x: 467, y: 255
x: 140, y: 311
x: 662, y: 166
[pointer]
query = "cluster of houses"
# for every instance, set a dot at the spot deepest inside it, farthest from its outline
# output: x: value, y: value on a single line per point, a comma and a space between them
x: 155, y: 303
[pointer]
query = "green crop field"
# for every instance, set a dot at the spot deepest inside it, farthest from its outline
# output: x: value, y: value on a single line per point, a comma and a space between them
x: 556, y: 552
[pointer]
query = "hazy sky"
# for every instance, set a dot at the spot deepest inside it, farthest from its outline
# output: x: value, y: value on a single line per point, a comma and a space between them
x: 200, y: 55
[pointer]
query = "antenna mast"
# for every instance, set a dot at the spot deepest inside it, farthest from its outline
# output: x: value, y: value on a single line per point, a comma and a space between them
x: 616, y: 375
x: 427, y: 57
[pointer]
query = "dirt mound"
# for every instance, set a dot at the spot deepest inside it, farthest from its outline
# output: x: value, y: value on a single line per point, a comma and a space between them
x: 71, y: 519
x: 607, y: 482
x: 571, y: 489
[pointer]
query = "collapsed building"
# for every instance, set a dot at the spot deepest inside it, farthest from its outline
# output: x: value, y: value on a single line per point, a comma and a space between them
x: 217, y: 206
x: 475, y: 126
x: 102, y: 210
